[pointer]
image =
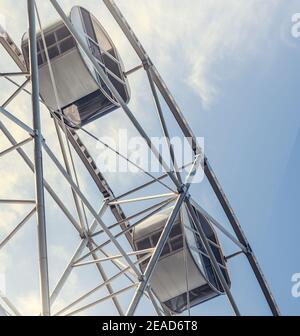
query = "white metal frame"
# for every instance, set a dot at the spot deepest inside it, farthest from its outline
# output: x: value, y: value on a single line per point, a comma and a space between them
x: 126, y: 262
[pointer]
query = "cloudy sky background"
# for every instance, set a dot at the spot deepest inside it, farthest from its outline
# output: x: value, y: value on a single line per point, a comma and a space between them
x: 233, y: 67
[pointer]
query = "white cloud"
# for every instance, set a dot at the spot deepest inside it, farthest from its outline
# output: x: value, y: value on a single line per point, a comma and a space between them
x: 193, y: 38
x: 29, y: 304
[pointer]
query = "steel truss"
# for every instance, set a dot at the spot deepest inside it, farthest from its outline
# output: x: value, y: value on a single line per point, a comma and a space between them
x: 87, y: 253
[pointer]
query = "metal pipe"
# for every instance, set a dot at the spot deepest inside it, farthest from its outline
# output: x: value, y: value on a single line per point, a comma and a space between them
x: 30, y: 164
x: 147, y: 184
x: 6, y: 201
x: 163, y: 123
x: 76, y: 255
x: 17, y: 121
x: 105, y: 278
x: 39, y: 180
x: 18, y: 145
x: 144, y: 57
x: 141, y: 199
x: 9, y: 304
x: 19, y: 89
x: 97, y: 261
x: 105, y: 283
x: 90, y: 305
x: 89, y: 207
x: 13, y: 74
x: 131, y: 71
x: 17, y: 228
x: 157, y: 208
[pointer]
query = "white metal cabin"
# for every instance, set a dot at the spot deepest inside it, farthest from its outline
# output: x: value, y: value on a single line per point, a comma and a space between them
x: 181, y: 260
x: 83, y: 97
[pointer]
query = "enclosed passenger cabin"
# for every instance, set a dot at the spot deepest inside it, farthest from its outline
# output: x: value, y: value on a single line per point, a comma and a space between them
x: 184, y: 276
x: 83, y: 97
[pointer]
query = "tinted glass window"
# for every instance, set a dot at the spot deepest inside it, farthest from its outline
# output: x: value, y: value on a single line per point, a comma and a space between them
x: 144, y: 244
x: 166, y: 250
x: 40, y: 60
x: 67, y: 44
x: 50, y: 39
x: 155, y: 238
x: 176, y: 243
x: 53, y: 52
x: 89, y: 29
x: 176, y: 230
x: 62, y: 33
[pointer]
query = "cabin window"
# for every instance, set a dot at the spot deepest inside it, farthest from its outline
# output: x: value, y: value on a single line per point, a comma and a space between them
x: 67, y: 44
x: 166, y: 250
x: 105, y: 44
x: 57, y: 42
x: 155, y: 238
x: 176, y: 243
x: 62, y: 33
x: 176, y: 230
x: 50, y: 39
x: 53, y: 52
x: 144, y: 244
x: 88, y: 25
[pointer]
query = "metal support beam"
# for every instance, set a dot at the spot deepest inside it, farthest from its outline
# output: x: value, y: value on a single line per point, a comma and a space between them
x: 122, y: 271
x: 187, y: 131
x: 18, y: 145
x: 39, y: 180
x: 13, y: 74
x: 90, y: 305
x: 142, y: 54
x: 77, y: 254
x: 105, y: 278
x: 9, y: 304
x: 30, y: 164
x: 13, y: 96
x: 89, y: 207
x: 163, y: 122
x: 133, y: 70
x: 17, y: 228
x: 142, y: 199
x: 17, y: 121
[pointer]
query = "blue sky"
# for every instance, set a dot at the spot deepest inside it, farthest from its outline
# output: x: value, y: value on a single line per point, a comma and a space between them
x: 234, y: 70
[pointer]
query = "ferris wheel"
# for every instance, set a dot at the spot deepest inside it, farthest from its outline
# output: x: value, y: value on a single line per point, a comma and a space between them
x: 151, y: 245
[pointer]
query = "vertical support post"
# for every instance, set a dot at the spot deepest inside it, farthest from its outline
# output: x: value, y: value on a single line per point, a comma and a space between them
x: 39, y: 181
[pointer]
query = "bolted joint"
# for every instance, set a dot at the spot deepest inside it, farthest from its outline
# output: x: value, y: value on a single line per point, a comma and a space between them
x: 146, y: 64
x: 249, y: 250
x: 141, y: 278
x: 182, y: 189
x: 84, y: 235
